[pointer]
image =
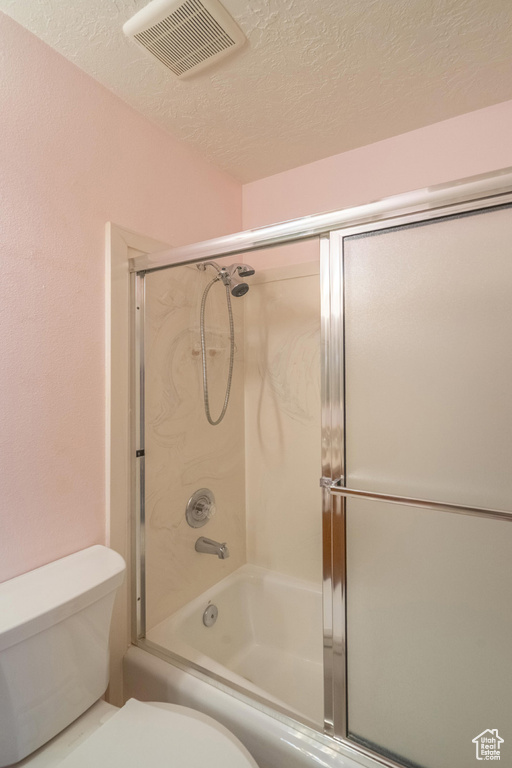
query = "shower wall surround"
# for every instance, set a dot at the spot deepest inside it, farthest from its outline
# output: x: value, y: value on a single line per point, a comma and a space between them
x: 282, y: 419
x: 183, y: 451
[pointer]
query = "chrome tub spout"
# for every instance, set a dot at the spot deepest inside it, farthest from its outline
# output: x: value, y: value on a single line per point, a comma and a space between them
x: 210, y: 547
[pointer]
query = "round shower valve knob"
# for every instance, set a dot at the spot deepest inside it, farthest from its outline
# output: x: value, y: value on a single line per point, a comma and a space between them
x: 200, y: 507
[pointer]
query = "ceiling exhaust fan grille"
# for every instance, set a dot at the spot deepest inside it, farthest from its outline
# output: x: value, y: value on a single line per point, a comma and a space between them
x: 187, y: 37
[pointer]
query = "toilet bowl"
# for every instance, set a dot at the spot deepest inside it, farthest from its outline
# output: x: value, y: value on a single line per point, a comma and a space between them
x: 54, y: 628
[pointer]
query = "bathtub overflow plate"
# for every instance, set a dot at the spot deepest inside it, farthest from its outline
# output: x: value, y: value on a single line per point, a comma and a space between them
x: 210, y: 615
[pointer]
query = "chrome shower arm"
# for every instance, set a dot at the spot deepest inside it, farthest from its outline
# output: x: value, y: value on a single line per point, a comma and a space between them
x: 203, y: 264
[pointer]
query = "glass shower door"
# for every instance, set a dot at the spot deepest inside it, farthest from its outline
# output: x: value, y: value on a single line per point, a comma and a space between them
x: 232, y: 530
x: 428, y: 415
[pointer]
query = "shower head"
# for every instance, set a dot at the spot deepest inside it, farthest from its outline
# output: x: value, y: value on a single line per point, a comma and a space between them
x: 244, y: 270
x: 230, y: 275
x: 238, y: 288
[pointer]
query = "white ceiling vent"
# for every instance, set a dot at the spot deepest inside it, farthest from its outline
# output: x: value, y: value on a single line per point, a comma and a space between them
x: 185, y: 35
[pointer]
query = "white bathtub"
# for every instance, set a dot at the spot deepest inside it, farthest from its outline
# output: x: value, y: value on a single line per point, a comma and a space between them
x: 267, y: 638
x: 267, y: 641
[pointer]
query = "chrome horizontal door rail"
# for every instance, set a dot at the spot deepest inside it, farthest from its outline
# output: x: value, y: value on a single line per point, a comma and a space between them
x: 439, y: 506
x: 473, y: 189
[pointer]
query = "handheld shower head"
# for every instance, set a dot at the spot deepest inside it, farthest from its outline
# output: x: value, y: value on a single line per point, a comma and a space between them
x: 230, y: 275
x: 238, y: 288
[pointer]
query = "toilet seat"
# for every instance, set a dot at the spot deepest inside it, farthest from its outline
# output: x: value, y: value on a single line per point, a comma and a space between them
x: 159, y: 735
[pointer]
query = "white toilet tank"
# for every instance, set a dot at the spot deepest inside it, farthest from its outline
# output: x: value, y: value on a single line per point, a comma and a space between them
x: 54, y: 630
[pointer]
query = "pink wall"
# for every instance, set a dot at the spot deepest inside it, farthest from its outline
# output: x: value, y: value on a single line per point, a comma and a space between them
x: 464, y: 146
x: 72, y: 157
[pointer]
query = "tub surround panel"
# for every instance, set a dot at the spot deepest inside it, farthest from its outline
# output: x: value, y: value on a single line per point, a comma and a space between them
x: 183, y: 451
x: 282, y: 420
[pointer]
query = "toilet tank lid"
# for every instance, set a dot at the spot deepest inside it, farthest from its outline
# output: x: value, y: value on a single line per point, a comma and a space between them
x: 41, y: 598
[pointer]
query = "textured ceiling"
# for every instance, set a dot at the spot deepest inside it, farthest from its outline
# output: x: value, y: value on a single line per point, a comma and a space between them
x: 317, y: 77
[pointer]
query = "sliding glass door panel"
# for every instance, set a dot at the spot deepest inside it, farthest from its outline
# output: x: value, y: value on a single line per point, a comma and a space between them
x: 429, y: 632
x: 428, y: 383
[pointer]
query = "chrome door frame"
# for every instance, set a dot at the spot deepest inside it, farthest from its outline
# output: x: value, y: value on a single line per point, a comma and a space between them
x: 476, y: 193
x: 138, y: 462
x: 333, y: 468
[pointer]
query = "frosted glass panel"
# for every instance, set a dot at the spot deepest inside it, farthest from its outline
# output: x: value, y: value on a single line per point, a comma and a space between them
x: 428, y: 360
x: 429, y: 632
x: 429, y: 414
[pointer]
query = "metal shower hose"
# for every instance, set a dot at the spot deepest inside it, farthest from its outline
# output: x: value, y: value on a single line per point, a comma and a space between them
x: 203, y: 355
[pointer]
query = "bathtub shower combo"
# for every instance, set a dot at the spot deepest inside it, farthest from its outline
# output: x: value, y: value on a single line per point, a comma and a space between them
x: 367, y: 351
